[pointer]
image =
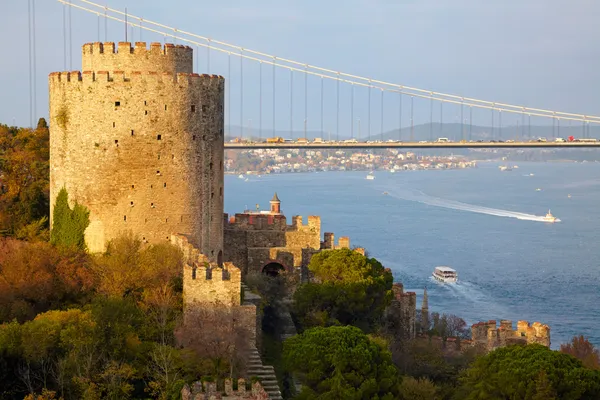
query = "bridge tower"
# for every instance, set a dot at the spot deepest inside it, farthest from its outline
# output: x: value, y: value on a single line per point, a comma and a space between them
x: 137, y: 138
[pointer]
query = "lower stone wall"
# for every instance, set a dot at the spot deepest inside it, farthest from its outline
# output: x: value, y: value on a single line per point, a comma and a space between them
x: 213, y: 390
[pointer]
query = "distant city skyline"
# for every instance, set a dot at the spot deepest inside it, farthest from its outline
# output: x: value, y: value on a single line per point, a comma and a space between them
x: 535, y: 53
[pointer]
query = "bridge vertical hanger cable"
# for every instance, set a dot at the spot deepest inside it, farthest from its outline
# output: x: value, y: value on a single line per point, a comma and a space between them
x: 431, y: 117
x: 274, y: 96
x: 197, y: 58
x: 34, y: 62
x: 399, y: 116
x: 500, y: 125
x: 260, y: 100
x: 337, y: 115
x: 558, y: 125
x: 126, y: 26
x: 65, y: 37
x: 352, y: 111
x: 322, y: 133
x: 242, y: 95
x: 441, y: 118
x: 305, y: 99
x: 98, y: 27
x: 30, y: 63
x: 529, y: 126
x: 208, y: 57
x: 70, y: 39
x: 493, y: 133
x: 291, y: 104
x: 229, y: 92
x: 462, y: 121
x: 106, y: 23
x: 381, y: 122
x: 369, y: 114
x: 553, y: 124
x: 412, y: 124
x: 470, y: 123
x: 142, y: 30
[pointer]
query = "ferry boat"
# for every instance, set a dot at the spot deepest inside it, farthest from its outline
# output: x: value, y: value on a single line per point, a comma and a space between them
x: 370, y: 176
x: 550, y: 218
x: 505, y: 168
x: 445, y: 274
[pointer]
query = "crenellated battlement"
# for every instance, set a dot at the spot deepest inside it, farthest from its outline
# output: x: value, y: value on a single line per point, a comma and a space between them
x: 493, y: 336
x: 213, y: 390
x: 147, y: 77
x: 268, y: 221
x: 109, y: 56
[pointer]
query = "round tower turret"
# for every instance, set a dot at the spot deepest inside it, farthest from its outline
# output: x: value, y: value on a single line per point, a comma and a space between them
x: 137, y: 138
x: 275, y: 204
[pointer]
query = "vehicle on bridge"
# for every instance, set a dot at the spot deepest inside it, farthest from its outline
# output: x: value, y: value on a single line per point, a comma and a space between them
x: 276, y: 139
x: 442, y: 140
x: 586, y: 140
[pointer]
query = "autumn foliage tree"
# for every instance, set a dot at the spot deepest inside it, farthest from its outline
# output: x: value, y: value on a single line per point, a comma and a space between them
x: 36, y: 277
x: 24, y: 181
x: 582, y: 349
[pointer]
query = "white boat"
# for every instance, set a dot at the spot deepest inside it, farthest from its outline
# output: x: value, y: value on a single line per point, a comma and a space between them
x: 505, y: 168
x: 550, y: 218
x: 370, y: 176
x: 241, y: 176
x: 538, y: 190
x: 445, y: 274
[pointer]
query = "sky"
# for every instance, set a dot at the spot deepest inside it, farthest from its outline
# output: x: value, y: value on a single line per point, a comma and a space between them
x: 539, y: 53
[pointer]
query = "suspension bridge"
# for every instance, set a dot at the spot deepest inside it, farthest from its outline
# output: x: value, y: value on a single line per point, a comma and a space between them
x: 318, y: 102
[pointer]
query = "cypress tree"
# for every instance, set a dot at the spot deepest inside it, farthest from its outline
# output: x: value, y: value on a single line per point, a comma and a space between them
x: 68, y: 225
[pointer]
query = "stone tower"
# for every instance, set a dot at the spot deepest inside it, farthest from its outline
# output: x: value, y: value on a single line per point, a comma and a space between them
x: 137, y: 138
x: 275, y: 204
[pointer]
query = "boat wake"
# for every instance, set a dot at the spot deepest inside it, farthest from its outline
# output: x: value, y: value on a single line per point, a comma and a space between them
x: 420, y: 197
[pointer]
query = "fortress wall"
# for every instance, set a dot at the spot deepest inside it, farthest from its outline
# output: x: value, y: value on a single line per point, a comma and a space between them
x: 212, y: 285
x: 125, y: 57
x: 303, y: 238
x: 143, y: 151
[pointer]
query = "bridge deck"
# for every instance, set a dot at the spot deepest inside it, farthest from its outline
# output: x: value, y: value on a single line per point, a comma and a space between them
x: 411, y: 145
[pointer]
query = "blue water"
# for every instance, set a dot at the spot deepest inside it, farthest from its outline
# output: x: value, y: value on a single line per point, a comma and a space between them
x: 482, y: 222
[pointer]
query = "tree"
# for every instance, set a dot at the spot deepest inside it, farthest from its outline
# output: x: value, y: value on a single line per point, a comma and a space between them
x: 24, y: 182
x: 349, y: 289
x: 515, y: 372
x: 69, y: 225
x: 582, y: 349
x: 36, y: 277
x: 418, y: 389
x: 341, y: 363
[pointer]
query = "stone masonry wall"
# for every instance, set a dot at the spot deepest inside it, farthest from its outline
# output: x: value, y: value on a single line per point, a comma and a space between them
x: 141, y: 147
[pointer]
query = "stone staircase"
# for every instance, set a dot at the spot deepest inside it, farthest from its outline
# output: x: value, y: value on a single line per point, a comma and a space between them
x: 255, y: 367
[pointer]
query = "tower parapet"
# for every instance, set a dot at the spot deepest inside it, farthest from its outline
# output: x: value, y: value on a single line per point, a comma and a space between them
x: 109, y: 56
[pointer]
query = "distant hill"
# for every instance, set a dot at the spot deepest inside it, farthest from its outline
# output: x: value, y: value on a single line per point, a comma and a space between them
x: 428, y: 132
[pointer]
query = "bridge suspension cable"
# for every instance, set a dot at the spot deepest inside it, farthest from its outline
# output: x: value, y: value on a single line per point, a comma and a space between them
x: 292, y: 65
